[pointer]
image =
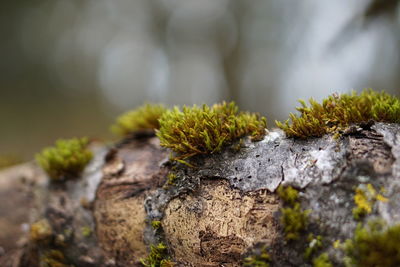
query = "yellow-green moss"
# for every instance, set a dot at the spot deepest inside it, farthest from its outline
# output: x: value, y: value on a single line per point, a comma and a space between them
x: 53, y: 258
x: 322, y: 261
x: 41, y: 231
x: 156, y: 224
x: 315, y: 244
x: 142, y: 118
x: 374, y: 245
x: 86, y: 231
x: 66, y: 159
x: 261, y: 260
x: 158, y: 257
x: 293, y: 219
x: 364, y: 198
x: 205, y: 130
x: 339, y: 111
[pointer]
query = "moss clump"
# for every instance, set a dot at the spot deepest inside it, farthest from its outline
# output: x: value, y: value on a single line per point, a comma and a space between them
x: 293, y: 218
x: 53, y: 258
x: 41, y: 231
x: 156, y: 224
x: 374, y: 245
x: 140, y: 119
x: 261, y: 260
x: 339, y: 111
x: 315, y: 244
x: 205, y: 130
x: 365, y: 198
x: 322, y: 261
x: 86, y: 231
x: 66, y: 159
x: 158, y: 257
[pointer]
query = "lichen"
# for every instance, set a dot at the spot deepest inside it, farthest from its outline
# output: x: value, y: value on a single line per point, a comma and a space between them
x: 364, y: 198
x: 206, y: 130
x: 322, y: 261
x: 339, y: 111
x: 142, y: 118
x: 261, y: 260
x: 293, y: 219
x: 376, y: 244
x: 41, y: 231
x: 66, y: 159
x: 158, y: 257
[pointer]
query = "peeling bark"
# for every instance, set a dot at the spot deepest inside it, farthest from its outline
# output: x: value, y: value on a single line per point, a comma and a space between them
x: 215, y: 213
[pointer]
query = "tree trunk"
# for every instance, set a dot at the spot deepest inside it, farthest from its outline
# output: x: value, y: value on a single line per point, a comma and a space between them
x: 215, y: 212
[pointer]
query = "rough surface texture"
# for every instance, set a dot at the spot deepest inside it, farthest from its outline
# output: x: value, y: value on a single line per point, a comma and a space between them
x: 216, y: 224
x: 216, y: 212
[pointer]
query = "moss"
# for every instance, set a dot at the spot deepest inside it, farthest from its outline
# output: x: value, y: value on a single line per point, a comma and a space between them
x: 315, y: 244
x: 339, y: 111
x: 156, y: 224
x: 53, y: 258
x: 322, y: 261
x: 158, y: 257
x: 288, y: 194
x: 41, y: 231
x: 364, y: 198
x: 293, y: 219
x: 374, y: 245
x: 142, y: 118
x: 66, y: 159
x: 171, y: 178
x: 261, y: 260
x: 206, y: 130
x: 86, y: 231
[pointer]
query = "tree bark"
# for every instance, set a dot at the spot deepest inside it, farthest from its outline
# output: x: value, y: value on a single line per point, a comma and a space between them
x: 216, y: 212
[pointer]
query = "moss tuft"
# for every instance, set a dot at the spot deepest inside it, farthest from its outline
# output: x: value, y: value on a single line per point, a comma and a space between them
x: 142, y: 118
x: 374, y: 245
x: 66, y: 159
x: 205, y: 130
x: 53, y: 258
x: 158, y: 257
x: 288, y: 194
x: 315, y: 244
x: 156, y: 224
x: 41, y: 231
x: 322, y: 261
x: 339, y: 111
x: 261, y: 260
x: 365, y: 198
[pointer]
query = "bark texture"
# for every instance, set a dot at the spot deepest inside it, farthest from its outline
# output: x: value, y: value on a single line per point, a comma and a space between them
x: 215, y: 213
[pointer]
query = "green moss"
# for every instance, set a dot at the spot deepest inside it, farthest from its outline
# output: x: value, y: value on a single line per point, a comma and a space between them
x: 315, y: 244
x: 261, y: 260
x: 171, y: 178
x: 142, y: 118
x: 288, y: 194
x: 339, y: 111
x: 66, y: 159
x: 158, y: 257
x: 41, y: 231
x: 86, y: 231
x: 53, y: 258
x: 156, y: 224
x: 322, y: 261
x: 205, y: 130
x: 375, y: 245
x: 364, y: 198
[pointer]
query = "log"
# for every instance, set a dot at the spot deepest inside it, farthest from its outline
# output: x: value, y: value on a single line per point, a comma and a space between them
x: 216, y: 210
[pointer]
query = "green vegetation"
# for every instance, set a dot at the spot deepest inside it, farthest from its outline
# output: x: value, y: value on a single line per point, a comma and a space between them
x: 41, y: 231
x: 158, y: 257
x: 294, y: 219
x: 261, y: 260
x: 375, y: 245
x: 86, y: 231
x: 142, y: 118
x: 315, y: 244
x: 205, y: 130
x: 66, y: 159
x: 337, y: 112
x: 156, y: 224
x: 53, y: 258
x: 322, y: 261
x: 365, y: 198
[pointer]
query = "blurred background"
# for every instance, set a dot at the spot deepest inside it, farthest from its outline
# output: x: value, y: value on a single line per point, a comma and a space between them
x: 69, y: 67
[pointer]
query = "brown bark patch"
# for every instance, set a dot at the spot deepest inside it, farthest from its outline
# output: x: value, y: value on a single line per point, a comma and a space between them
x: 132, y: 170
x: 217, y: 224
x: 370, y: 146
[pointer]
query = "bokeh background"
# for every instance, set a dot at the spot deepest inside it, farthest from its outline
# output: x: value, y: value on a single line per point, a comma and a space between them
x: 69, y: 67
